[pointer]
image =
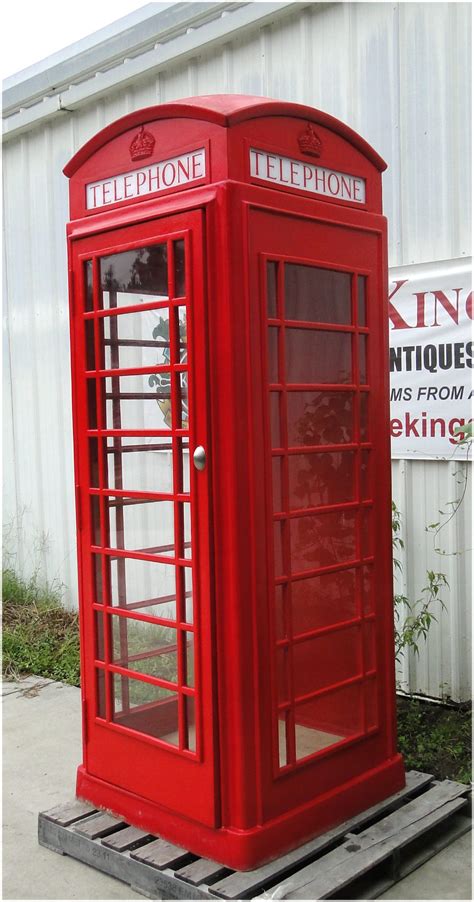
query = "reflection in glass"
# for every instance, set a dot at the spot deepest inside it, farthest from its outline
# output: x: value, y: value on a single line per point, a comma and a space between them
x: 275, y: 419
x: 88, y: 279
x: 140, y: 463
x: 142, y: 271
x: 320, y: 479
x: 361, y: 300
x: 145, y: 586
x: 323, y: 600
x: 326, y: 660
x: 277, y: 476
x: 138, y: 402
x: 321, y: 540
x: 317, y: 295
x: 316, y: 356
x: 273, y: 354
x: 272, y: 289
x: 146, y: 708
x: 363, y: 359
x: 134, y: 340
x: 179, y: 269
x: 140, y: 524
x: 320, y: 418
x: 145, y: 647
x: 328, y: 719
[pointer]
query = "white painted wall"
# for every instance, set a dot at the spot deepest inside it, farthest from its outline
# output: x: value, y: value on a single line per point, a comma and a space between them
x: 398, y: 73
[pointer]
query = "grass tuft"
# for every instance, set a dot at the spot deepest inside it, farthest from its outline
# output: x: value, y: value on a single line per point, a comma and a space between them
x: 435, y: 739
x: 39, y: 636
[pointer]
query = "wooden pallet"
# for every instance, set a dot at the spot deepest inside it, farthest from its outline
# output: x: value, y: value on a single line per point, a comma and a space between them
x: 359, y: 859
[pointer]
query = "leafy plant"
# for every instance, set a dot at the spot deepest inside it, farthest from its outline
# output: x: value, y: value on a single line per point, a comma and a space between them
x: 414, y: 618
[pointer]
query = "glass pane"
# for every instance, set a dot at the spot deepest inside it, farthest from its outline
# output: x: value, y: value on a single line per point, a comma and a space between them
x: 273, y: 354
x: 282, y: 758
x: 188, y: 590
x: 364, y: 417
x: 322, y: 540
x: 363, y: 379
x: 134, y: 276
x: 145, y: 586
x: 146, y: 708
x: 90, y: 344
x: 95, y: 520
x: 183, y: 406
x: 326, y: 660
x: 189, y: 647
x: 89, y: 299
x: 190, y: 707
x: 94, y: 463
x: 99, y: 635
x: 361, y: 300
x: 145, y: 647
x: 275, y: 419
x: 278, y: 548
x: 320, y: 418
x: 272, y: 289
x: 97, y: 582
x: 365, y: 474
x: 141, y: 525
x: 133, y: 340
x: 91, y: 404
x: 317, y: 479
x: 100, y: 693
x: 315, y: 356
x: 366, y: 532
x: 140, y: 464
x: 323, y: 600
x: 179, y: 269
x: 280, y: 612
x: 282, y: 674
x: 317, y: 295
x: 369, y: 645
x: 328, y: 719
x: 277, y: 475
x: 138, y: 402
x: 185, y: 515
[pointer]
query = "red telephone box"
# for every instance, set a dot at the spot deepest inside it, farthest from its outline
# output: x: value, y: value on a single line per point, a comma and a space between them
x: 230, y: 390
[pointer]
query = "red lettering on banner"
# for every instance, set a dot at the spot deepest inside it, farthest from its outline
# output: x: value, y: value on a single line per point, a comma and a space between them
x: 320, y: 176
x: 197, y: 161
x: 282, y: 179
x: 394, y: 316
x: 106, y: 189
x: 357, y: 187
x: 396, y: 428
x: 95, y: 189
x: 154, y: 178
x: 127, y: 183
x: 451, y: 310
x: 258, y: 154
x: 469, y: 305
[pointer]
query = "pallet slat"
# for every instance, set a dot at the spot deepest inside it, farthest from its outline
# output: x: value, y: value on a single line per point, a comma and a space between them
x: 128, y: 839
x: 98, y: 826
x: 68, y: 814
x: 201, y: 871
x: 161, y: 854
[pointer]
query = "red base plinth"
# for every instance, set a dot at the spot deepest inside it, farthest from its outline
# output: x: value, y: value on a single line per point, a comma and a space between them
x: 246, y: 849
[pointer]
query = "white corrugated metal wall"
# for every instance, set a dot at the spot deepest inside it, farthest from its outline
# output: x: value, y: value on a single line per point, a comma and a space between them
x: 397, y: 73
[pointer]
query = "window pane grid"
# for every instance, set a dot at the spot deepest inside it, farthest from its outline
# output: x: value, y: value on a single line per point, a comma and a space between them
x: 308, y: 460
x: 124, y: 700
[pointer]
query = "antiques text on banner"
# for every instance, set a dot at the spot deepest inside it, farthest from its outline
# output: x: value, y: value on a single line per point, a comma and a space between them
x: 430, y: 323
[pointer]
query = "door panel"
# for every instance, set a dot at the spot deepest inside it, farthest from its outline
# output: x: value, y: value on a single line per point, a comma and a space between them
x: 140, y: 410
x: 319, y: 284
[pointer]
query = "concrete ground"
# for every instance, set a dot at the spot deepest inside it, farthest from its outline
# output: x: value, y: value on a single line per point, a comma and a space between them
x: 41, y: 749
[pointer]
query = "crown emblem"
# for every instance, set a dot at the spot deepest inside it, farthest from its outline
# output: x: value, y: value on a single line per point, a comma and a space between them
x: 142, y: 145
x: 309, y: 142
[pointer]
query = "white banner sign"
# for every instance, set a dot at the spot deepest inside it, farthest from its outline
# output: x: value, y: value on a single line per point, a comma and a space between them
x: 430, y: 320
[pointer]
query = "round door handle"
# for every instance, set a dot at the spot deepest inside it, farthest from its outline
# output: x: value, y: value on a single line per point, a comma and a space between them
x: 199, y: 458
